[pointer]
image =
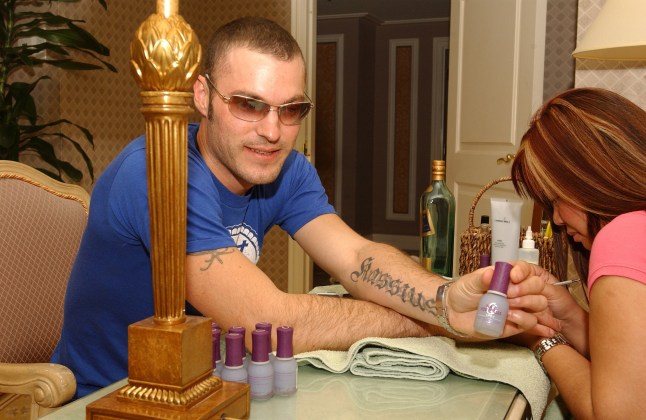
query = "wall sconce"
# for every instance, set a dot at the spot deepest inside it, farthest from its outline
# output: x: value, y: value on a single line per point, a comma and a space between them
x: 617, y: 33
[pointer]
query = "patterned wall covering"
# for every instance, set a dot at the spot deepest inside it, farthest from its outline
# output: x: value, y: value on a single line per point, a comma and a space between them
x: 623, y: 77
x: 108, y: 103
x: 560, y: 41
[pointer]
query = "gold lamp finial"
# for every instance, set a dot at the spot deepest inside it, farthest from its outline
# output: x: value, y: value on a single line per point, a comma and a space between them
x: 165, y: 52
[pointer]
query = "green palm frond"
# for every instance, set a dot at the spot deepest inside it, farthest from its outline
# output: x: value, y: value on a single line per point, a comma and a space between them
x: 32, y: 36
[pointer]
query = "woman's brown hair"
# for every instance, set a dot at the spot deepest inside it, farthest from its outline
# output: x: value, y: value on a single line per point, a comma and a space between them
x: 586, y: 147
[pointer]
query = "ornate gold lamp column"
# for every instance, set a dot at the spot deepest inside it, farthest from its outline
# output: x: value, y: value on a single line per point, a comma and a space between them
x: 169, y: 355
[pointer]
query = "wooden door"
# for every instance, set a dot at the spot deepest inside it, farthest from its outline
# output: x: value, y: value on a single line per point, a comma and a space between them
x: 495, y: 84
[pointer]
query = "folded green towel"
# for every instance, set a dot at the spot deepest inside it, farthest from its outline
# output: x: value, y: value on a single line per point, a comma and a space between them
x: 432, y: 358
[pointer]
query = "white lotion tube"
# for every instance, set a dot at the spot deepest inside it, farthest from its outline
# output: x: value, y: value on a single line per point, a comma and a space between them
x: 505, y: 229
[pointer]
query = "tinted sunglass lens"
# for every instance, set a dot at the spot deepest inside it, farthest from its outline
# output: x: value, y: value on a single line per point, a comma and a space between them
x: 292, y: 114
x: 248, y: 109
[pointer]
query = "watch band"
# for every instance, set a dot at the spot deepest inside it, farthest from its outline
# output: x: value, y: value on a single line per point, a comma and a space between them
x: 547, y: 344
x: 442, y: 313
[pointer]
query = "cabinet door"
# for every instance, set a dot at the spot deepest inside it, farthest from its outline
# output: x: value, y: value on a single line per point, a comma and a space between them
x: 496, y: 62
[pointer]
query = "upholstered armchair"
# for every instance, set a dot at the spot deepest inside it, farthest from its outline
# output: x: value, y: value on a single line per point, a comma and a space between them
x: 41, y: 224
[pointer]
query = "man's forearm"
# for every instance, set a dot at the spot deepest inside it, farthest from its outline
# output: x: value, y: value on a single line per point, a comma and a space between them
x: 336, y: 323
x: 386, y: 276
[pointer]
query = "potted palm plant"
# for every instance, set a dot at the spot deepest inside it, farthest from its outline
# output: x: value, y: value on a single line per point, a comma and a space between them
x: 33, y: 36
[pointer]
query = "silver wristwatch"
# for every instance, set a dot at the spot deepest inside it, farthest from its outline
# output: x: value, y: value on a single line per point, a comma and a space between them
x: 442, y: 314
x: 546, y: 344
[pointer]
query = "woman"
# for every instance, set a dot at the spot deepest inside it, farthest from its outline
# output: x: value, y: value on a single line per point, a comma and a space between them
x: 583, y: 159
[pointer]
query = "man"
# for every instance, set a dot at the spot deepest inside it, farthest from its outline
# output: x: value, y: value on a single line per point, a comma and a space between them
x: 245, y: 177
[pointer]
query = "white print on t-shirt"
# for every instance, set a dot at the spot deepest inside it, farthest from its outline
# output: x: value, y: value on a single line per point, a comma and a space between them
x: 246, y: 240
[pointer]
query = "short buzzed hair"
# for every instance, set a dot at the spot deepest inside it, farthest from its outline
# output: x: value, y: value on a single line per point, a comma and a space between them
x: 255, y: 33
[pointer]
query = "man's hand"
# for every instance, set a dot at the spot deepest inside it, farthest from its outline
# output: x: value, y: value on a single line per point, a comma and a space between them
x: 528, y: 309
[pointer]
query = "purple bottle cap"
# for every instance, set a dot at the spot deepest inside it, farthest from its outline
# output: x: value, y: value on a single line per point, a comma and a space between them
x: 284, y: 336
x: 500, y: 281
x: 485, y: 260
x: 266, y: 326
x: 215, y: 326
x: 234, y: 355
x: 215, y: 333
x: 237, y: 329
x: 259, y: 348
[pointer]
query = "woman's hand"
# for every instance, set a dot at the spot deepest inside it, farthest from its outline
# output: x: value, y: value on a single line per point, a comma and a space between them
x: 528, y: 310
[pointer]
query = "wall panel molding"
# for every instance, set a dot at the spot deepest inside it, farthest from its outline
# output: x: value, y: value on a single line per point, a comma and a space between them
x: 398, y: 46
x: 337, y: 39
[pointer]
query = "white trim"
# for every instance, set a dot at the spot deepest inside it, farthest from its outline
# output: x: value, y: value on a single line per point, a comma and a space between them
x: 440, y: 64
x: 338, y: 39
x: 406, y: 242
x: 303, y: 24
x: 390, y: 156
x: 379, y: 21
x: 411, y: 21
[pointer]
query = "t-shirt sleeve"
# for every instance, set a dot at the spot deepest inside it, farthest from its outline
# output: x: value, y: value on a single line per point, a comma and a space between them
x: 128, y: 200
x: 205, y: 229
x: 305, y: 196
x: 619, y: 249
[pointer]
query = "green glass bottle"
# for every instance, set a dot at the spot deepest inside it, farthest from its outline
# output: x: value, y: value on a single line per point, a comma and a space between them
x: 437, y: 223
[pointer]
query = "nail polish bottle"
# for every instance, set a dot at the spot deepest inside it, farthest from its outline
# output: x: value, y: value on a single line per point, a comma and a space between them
x: 260, y: 371
x: 217, y: 359
x: 493, y: 306
x: 234, y: 370
x: 237, y: 329
x: 285, y: 366
x: 266, y: 326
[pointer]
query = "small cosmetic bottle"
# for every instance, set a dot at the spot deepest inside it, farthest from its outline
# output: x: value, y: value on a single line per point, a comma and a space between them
x: 266, y: 326
x: 260, y: 371
x: 528, y: 251
x: 485, y: 260
x: 493, y: 306
x: 484, y: 224
x: 234, y: 370
x: 217, y: 359
x: 237, y: 329
x: 285, y: 366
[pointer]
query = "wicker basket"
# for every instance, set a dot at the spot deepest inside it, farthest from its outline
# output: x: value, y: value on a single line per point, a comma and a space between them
x: 474, y: 242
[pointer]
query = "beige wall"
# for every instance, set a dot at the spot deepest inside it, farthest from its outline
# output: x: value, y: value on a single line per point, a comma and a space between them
x: 108, y: 103
x: 560, y: 41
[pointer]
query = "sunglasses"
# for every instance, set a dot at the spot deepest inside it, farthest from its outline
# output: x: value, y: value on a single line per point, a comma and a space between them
x: 252, y: 110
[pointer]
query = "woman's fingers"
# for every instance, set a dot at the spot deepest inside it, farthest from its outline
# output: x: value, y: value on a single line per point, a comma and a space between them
x: 530, y: 303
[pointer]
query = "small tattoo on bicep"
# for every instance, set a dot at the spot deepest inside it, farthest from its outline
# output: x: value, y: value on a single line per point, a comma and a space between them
x: 213, y: 255
x: 394, y: 287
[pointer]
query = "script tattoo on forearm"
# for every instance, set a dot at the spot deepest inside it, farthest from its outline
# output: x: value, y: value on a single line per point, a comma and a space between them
x: 394, y: 287
x: 214, y: 255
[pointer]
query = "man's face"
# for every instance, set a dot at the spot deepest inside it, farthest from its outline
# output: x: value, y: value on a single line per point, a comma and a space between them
x: 241, y: 153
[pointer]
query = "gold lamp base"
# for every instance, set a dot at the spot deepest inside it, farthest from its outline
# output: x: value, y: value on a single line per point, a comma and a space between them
x: 231, y: 401
x: 170, y: 377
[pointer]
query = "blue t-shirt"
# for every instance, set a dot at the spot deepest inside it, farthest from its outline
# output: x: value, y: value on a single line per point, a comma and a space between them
x: 111, y: 282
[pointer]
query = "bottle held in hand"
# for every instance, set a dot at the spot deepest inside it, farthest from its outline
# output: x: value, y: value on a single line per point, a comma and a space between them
x: 493, y: 306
